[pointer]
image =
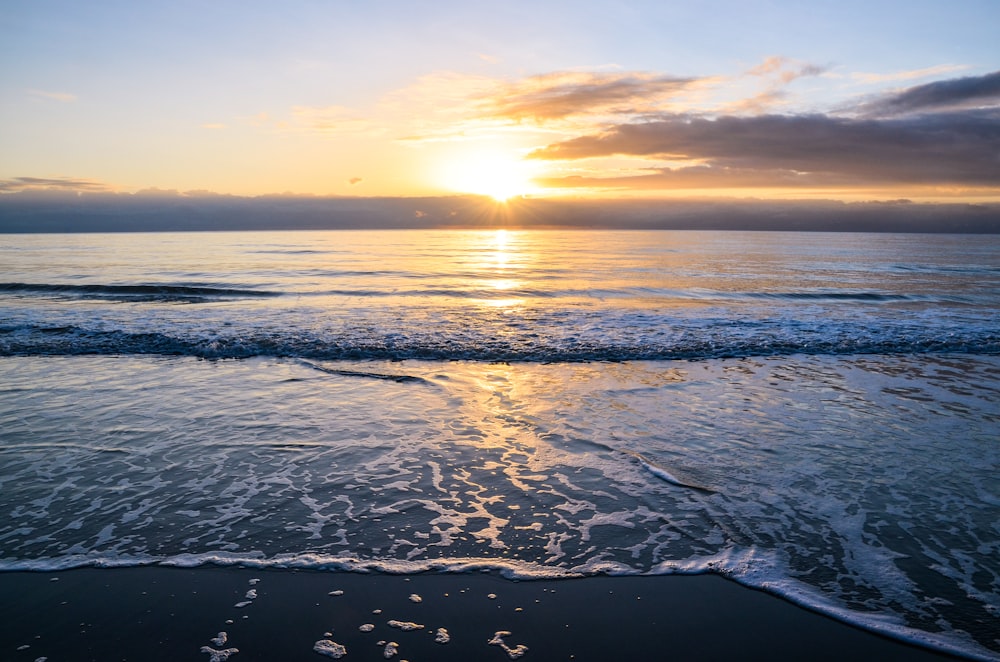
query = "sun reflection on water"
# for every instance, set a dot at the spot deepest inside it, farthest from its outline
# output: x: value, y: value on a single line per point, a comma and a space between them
x: 499, y: 269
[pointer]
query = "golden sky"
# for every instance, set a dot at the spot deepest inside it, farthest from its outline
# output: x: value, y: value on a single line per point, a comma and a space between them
x: 795, y: 100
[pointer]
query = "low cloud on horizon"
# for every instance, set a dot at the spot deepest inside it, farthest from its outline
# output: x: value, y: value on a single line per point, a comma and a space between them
x: 155, y: 210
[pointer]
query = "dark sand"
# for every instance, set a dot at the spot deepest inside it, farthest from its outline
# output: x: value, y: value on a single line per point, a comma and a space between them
x: 158, y: 613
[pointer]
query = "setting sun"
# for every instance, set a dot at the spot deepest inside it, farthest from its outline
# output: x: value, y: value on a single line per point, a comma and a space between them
x: 498, y: 174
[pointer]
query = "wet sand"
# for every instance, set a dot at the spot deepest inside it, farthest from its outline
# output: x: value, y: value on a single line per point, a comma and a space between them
x: 159, y: 613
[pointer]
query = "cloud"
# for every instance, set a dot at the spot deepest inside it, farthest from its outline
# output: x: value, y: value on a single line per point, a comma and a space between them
x: 125, y: 212
x: 354, y: 180
x: 436, y: 106
x: 563, y: 94
x: 704, y: 177
x: 157, y: 192
x: 776, y: 72
x: 18, y: 184
x: 910, y: 74
x: 61, y: 97
x: 952, y: 148
x: 768, y: 66
x: 957, y: 93
x: 758, y: 103
x: 450, y: 106
x: 785, y: 69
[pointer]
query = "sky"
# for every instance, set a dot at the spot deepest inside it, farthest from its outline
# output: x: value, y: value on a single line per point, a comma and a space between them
x: 844, y: 100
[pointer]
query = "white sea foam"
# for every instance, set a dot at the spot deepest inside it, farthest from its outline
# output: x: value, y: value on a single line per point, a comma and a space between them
x: 514, y: 652
x: 219, y: 655
x: 330, y: 648
x: 663, y: 473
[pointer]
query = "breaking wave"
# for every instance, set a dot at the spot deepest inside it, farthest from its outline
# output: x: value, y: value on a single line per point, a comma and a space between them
x: 134, y: 292
x: 706, y: 341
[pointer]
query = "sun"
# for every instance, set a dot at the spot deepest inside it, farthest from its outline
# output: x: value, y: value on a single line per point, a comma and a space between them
x: 501, y: 175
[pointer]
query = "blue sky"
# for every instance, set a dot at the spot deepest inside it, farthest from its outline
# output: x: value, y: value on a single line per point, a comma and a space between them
x: 387, y: 98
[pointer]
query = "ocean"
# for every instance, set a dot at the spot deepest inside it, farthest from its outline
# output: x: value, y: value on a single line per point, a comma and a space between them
x: 812, y: 414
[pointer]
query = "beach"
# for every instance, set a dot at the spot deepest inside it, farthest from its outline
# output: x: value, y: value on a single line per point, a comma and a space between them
x: 159, y: 613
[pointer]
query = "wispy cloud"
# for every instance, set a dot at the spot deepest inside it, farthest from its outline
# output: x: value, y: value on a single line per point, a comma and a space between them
x: 910, y: 74
x: 437, y: 106
x: 785, y: 69
x: 61, y: 97
x: 450, y: 107
x: 776, y: 73
x: 18, y: 184
x: 563, y: 94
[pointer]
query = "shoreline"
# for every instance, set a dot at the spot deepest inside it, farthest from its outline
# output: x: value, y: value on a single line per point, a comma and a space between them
x: 165, y: 613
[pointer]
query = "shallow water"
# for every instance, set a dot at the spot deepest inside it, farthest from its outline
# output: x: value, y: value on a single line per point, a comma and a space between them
x: 864, y: 486
x: 857, y: 482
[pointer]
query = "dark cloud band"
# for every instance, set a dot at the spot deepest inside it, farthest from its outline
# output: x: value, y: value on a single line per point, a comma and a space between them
x: 947, y: 94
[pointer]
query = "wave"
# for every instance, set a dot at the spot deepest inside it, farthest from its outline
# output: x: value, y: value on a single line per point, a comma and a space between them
x: 833, y: 296
x: 669, y: 475
x: 732, y: 341
x: 294, y: 251
x: 644, y: 292
x: 750, y: 567
x: 139, y: 292
x: 975, y: 269
x: 364, y: 374
x: 200, y: 293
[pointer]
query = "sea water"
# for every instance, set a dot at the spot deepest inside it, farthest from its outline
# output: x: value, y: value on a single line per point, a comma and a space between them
x: 817, y: 415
